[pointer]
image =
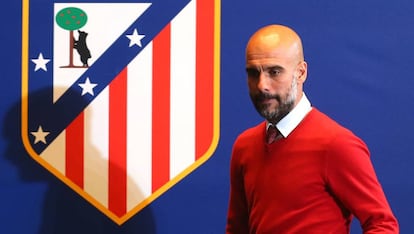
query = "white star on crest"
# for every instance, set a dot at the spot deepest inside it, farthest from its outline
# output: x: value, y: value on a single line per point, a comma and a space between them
x: 87, y: 87
x: 40, y: 62
x: 135, y: 38
x: 40, y: 135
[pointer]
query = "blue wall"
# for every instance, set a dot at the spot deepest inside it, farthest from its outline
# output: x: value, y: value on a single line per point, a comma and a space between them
x: 360, y: 58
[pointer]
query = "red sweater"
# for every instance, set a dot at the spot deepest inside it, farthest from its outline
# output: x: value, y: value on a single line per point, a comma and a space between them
x: 313, y: 181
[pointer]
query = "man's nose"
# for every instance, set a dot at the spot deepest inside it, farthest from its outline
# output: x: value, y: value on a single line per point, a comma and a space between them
x: 263, y: 82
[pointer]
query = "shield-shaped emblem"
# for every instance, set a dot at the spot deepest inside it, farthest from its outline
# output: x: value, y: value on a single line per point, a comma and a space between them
x: 120, y: 100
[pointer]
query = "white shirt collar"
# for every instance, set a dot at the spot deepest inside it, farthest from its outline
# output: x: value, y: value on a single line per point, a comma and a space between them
x: 294, y: 117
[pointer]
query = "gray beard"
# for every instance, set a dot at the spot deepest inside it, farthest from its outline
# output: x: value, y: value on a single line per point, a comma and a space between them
x: 285, y: 105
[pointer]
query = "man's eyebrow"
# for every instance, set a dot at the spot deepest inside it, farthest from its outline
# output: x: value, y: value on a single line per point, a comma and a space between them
x: 252, y: 69
x: 273, y: 67
x: 264, y: 68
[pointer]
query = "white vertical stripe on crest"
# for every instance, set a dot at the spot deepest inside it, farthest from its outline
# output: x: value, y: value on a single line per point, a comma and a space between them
x: 183, y: 60
x: 96, y: 134
x: 139, y: 122
x: 55, y: 155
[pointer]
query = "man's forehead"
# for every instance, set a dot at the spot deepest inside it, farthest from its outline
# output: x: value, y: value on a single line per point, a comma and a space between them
x: 274, y: 52
x: 268, y: 52
x: 268, y: 59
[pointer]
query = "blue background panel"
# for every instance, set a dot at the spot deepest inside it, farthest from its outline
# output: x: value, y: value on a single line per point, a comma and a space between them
x: 360, y: 58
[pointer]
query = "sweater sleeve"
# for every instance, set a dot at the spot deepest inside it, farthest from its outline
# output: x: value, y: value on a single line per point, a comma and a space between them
x: 237, y: 217
x: 352, y: 180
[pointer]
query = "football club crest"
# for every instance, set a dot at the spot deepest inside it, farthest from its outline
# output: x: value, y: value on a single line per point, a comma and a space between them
x: 120, y: 100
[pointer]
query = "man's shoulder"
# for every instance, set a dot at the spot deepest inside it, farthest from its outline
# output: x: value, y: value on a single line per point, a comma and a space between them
x: 253, y: 132
x: 324, y: 123
x: 327, y: 126
x: 256, y: 129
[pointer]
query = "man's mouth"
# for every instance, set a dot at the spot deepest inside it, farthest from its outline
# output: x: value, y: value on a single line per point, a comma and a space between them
x: 266, y: 100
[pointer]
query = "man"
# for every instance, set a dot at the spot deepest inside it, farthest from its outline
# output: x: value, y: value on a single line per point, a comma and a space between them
x: 315, y: 175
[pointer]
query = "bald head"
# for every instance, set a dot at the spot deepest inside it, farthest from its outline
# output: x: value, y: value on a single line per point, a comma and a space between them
x: 278, y: 40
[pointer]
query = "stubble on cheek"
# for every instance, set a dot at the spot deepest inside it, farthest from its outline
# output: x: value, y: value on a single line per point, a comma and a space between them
x: 266, y: 104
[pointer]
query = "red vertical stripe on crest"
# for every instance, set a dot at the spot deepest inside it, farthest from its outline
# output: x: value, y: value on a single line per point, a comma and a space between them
x: 161, y: 109
x: 74, y: 150
x: 117, y: 144
x: 204, y: 76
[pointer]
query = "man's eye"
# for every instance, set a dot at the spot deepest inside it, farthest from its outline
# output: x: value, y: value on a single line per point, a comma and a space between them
x: 273, y: 72
x: 252, y: 72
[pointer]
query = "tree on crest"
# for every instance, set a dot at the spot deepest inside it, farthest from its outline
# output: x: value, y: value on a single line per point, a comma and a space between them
x: 71, y: 19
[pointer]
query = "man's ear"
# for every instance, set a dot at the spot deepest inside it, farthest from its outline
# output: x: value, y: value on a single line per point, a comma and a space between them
x: 302, y: 71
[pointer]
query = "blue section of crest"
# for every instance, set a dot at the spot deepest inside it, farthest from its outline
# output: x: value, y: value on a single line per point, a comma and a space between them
x: 54, y: 118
